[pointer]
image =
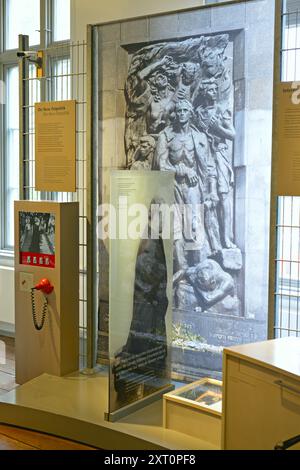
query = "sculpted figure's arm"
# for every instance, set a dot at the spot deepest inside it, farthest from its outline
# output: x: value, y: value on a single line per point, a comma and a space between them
x: 224, y: 126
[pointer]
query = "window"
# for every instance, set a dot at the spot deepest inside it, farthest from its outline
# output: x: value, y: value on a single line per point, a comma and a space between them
x: 61, y: 20
x: 11, y: 149
x: 24, y: 17
x: 21, y: 17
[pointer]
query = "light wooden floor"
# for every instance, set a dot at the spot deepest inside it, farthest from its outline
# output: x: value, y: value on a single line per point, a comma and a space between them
x: 12, y: 438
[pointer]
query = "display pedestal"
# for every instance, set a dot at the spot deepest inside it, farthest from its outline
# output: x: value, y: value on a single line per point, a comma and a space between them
x: 261, y: 394
x: 46, y: 247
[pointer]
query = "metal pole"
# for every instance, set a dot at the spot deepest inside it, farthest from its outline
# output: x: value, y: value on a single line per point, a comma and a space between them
x: 23, y: 119
x: 91, y: 162
x: 274, y: 197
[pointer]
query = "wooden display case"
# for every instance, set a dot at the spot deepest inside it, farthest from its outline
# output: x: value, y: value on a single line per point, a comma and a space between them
x: 261, y: 395
x: 195, y: 409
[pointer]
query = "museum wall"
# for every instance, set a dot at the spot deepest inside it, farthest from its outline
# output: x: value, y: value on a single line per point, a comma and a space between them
x: 95, y: 11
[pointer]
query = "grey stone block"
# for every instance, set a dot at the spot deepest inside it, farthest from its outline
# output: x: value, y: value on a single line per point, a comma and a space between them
x: 239, y: 95
x: 260, y: 93
x: 109, y: 33
x: 240, y: 182
x: 108, y: 141
x: 258, y: 227
x: 239, y: 143
x: 228, y: 17
x: 239, y: 56
x: 259, y: 177
x: 258, y: 11
x: 259, y: 45
x: 256, y: 280
x: 259, y: 138
x: 232, y: 259
x: 107, y: 105
x: 120, y: 104
x: 123, y: 65
x: 108, y: 67
x: 162, y: 27
x: 135, y: 31
x: 195, y: 22
x: 240, y: 223
x: 120, y: 156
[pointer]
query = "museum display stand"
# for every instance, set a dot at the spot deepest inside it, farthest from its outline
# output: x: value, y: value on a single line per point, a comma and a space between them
x: 261, y: 396
x: 46, y: 288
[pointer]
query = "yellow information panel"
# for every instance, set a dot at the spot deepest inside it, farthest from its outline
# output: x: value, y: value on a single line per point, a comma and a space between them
x: 55, y: 146
x: 288, y: 135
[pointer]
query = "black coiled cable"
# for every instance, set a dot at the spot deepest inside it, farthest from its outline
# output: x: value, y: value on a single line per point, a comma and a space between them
x: 38, y: 326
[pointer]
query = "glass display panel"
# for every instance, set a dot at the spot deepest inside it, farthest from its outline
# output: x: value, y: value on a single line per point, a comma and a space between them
x: 140, y: 296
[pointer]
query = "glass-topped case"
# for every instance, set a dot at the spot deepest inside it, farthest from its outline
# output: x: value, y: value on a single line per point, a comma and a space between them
x: 205, y: 393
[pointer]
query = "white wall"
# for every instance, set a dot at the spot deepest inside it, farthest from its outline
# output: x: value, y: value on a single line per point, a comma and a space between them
x: 7, y: 296
x: 84, y: 12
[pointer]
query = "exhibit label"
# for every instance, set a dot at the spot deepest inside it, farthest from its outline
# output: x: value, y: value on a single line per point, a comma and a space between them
x: 55, y: 146
x: 288, y: 135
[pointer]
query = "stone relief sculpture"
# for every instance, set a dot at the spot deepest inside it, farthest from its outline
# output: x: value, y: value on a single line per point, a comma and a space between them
x: 179, y: 97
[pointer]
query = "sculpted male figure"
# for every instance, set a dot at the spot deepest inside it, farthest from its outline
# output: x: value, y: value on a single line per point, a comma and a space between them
x: 216, y: 122
x: 182, y: 149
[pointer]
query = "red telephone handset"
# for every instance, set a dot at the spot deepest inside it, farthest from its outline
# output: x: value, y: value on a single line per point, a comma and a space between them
x: 45, y: 286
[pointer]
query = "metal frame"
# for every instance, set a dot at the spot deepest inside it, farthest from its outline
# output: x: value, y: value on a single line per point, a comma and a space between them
x: 278, y: 227
x: 76, y: 74
x: 274, y: 211
x: 52, y: 51
x: 92, y: 197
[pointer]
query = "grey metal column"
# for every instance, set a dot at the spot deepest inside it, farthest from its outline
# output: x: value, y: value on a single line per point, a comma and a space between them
x: 91, y: 142
x: 23, y: 119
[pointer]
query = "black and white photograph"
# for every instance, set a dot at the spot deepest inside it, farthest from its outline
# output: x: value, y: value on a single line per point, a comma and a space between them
x: 37, y: 233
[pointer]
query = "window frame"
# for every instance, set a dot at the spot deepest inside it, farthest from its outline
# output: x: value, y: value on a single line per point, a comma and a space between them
x: 4, y: 243
x: 9, y: 58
